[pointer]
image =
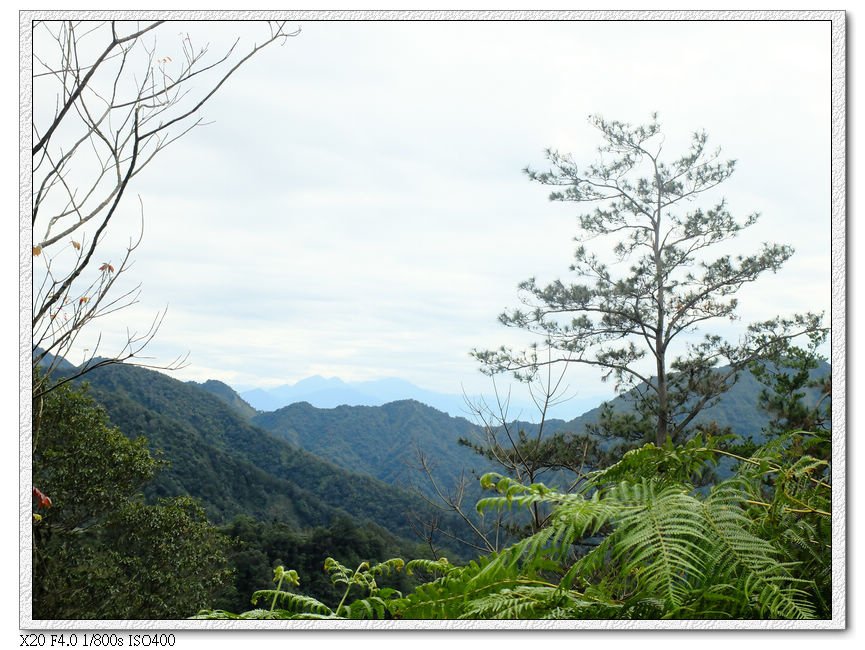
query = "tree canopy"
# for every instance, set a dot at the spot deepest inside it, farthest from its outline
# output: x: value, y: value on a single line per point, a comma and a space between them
x: 98, y: 550
x: 634, y: 312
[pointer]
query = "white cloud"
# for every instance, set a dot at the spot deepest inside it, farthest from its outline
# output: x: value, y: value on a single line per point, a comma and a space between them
x: 358, y: 209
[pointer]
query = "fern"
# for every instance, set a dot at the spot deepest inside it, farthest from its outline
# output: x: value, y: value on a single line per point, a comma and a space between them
x: 658, y: 539
x: 753, y: 564
x: 755, y: 546
x: 290, y: 603
x: 370, y: 608
x: 522, y: 601
x: 681, y: 464
x: 430, y: 567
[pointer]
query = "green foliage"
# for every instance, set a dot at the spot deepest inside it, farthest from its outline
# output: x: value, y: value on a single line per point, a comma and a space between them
x: 651, y: 281
x: 169, y: 560
x: 688, y: 463
x: 563, y: 459
x: 380, y: 441
x: 85, y: 465
x: 796, y: 390
x: 755, y: 546
x: 98, y: 553
x: 286, y: 604
x: 236, y: 468
x: 259, y: 546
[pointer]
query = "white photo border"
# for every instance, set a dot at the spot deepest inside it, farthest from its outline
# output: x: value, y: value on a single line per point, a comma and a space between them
x: 838, y: 314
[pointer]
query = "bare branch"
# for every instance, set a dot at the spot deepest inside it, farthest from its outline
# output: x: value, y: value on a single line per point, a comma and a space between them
x: 83, y: 82
x: 85, y: 157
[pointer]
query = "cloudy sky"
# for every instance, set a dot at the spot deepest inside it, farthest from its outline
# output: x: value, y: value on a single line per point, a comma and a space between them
x: 356, y: 207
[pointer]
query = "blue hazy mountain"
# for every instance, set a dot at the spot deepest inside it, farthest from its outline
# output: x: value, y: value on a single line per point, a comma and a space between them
x: 331, y: 392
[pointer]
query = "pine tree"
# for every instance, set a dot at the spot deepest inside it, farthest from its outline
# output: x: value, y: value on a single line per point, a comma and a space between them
x: 632, y: 313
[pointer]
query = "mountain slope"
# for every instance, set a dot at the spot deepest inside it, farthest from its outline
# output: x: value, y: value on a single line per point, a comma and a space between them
x: 234, y: 467
x: 228, y: 395
x: 737, y: 409
x: 382, y: 441
x: 311, y: 464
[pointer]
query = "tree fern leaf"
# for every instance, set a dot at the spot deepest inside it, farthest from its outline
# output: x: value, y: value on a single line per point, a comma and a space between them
x: 292, y: 603
x: 371, y: 608
x: 661, y: 542
x: 766, y: 582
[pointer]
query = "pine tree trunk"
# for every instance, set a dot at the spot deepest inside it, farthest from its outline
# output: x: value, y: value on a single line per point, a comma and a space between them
x: 660, y: 348
x: 663, y: 408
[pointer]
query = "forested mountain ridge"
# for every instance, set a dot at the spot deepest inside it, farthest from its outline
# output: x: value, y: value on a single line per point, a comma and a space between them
x: 738, y: 408
x: 207, y: 431
x: 228, y: 395
x: 234, y: 467
x: 382, y: 441
x: 282, y: 504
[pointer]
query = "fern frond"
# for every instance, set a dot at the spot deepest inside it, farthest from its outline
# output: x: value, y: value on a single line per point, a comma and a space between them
x: 448, y: 596
x: 752, y: 563
x: 659, y: 538
x: 514, y: 494
x: 394, y: 565
x: 372, y: 608
x: 432, y: 567
x: 292, y: 603
x: 676, y: 464
x: 339, y: 574
x: 521, y: 602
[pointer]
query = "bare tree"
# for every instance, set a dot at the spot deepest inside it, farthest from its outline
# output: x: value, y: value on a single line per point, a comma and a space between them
x: 482, y: 536
x: 116, y: 105
x: 528, y: 452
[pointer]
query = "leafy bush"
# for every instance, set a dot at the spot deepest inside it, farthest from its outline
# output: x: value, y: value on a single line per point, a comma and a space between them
x: 639, y: 541
x: 98, y: 551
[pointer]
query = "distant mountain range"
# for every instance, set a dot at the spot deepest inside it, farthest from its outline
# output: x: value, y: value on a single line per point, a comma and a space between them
x: 305, y: 465
x: 384, y: 441
x: 331, y: 392
x: 215, y: 454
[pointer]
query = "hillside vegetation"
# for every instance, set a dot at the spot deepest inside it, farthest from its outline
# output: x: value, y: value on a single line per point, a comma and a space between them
x: 234, y: 467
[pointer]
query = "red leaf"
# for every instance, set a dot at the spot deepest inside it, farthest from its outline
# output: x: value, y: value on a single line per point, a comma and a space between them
x: 42, y: 500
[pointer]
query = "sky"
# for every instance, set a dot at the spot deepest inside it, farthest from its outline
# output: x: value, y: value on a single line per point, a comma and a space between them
x: 356, y: 207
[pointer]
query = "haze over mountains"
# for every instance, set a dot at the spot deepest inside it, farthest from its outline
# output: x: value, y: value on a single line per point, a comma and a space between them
x: 330, y: 392
x: 383, y: 440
